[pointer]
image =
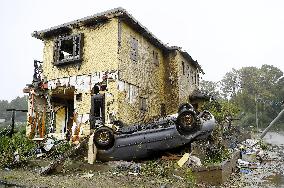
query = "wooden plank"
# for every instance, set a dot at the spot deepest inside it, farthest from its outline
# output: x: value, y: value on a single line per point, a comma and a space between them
x: 59, y: 162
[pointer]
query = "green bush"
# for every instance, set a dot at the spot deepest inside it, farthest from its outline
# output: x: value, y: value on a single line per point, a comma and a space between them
x: 156, y: 168
x: 18, y: 142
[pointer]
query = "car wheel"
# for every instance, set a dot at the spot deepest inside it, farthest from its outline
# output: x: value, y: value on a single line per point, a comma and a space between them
x: 186, y: 122
x: 104, y: 138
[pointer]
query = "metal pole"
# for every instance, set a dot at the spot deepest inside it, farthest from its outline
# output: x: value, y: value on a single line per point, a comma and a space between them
x: 13, y: 119
x: 256, y: 114
x: 13, y: 124
x: 271, y: 124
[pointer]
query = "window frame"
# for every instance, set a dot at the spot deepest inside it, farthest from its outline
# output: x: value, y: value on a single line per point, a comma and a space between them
x: 134, y: 46
x: 155, y: 55
x: 76, y: 57
x: 143, y: 106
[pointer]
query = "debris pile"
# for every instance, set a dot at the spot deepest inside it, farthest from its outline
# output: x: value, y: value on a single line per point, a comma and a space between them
x: 261, y: 164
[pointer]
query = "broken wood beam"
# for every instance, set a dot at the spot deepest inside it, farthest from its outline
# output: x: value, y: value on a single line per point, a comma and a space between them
x: 58, y: 162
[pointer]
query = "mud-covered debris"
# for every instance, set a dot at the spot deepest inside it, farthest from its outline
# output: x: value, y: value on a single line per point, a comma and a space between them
x: 126, y: 166
x: 48, y: 144
x: 87, y: 175
x: 194, y: 161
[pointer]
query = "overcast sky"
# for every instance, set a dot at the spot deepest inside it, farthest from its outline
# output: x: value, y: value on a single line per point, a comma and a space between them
x: 219, y: 34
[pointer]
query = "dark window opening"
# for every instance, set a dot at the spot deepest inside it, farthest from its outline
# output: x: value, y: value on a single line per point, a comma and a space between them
x: 68, y: 49
x: 163, y: 110
x: 79, y: 97
x: 155, y: 57
x: 97, y: 110
x: 134, y: 49
x: 192, y: 77
x: 183, y: 71
x: 143, y: 104
x: 198, y: 77
x: 195, y: 78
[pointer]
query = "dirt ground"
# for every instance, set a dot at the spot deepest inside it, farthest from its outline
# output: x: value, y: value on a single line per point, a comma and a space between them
x: 79, y: 174
x: 98, y: 175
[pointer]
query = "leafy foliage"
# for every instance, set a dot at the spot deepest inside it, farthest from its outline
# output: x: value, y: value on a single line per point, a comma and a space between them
x: 221, y: 109
x: 252, y: 90
x: 20, y: 143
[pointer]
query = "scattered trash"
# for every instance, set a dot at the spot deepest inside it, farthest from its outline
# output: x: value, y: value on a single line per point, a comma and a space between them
x: 178, y: 177
x: 16, y: 156
x: 245, y: 171
x: 135, y: 168
x: 87, y: 175
x: 194, y: 161
x: 39, y: 155
x: 183, y: 160
x: 133, y: 173
x: 48, y: 144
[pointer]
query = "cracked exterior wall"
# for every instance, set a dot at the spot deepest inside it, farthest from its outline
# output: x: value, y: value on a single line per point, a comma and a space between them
x: 144, y: 74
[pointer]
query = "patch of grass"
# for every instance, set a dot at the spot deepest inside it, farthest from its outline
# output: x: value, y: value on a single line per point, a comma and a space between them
x: 157, y: 168
x: 189, y: 177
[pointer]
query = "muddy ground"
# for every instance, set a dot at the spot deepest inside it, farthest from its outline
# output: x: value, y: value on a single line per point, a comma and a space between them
x: 153, y: 174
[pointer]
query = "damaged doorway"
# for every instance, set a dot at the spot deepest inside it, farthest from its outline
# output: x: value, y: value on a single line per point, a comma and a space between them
x: 62, y: 100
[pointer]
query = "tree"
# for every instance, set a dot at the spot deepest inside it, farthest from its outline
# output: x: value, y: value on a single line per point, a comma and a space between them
x: 211, y: 88
x: 254, y: 88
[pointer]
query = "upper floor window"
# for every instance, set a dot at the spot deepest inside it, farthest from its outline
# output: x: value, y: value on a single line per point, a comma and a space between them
x: 68, y: 49
x: 133, y: 49
x: 155, y: 57
x: 183, y: 68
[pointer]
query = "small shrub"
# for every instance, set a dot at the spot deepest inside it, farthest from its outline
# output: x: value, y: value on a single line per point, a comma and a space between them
x: 18, y: 142
x: 156, y: 168
x: 217, y: 154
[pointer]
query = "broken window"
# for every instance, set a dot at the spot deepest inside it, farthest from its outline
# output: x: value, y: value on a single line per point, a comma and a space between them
x: 155, y: 57
x: 198, y: 79
x: 192, y: 77
x: 183, y: 68
x: 68, y: 49
x: 97, y: 113
x: 143, y: 104
x: 134, y: 49
x: 195, y: 77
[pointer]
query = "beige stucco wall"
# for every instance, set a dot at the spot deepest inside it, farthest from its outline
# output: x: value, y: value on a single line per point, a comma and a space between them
x: 186, y: 85
x: 161, y: 83
x: 171, y: 87
x: 144, y: 74
x: 100, y: 45
x: 99, y: 52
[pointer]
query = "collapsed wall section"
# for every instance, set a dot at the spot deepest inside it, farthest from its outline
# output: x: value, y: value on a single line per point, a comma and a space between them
x: 73, y: 83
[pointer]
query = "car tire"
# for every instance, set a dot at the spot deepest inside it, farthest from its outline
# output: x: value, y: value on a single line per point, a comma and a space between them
x: 104, y: 138
x: 186, y: 122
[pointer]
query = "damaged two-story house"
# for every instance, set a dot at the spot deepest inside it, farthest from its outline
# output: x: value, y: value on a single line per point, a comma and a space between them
x: 106, y: 69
